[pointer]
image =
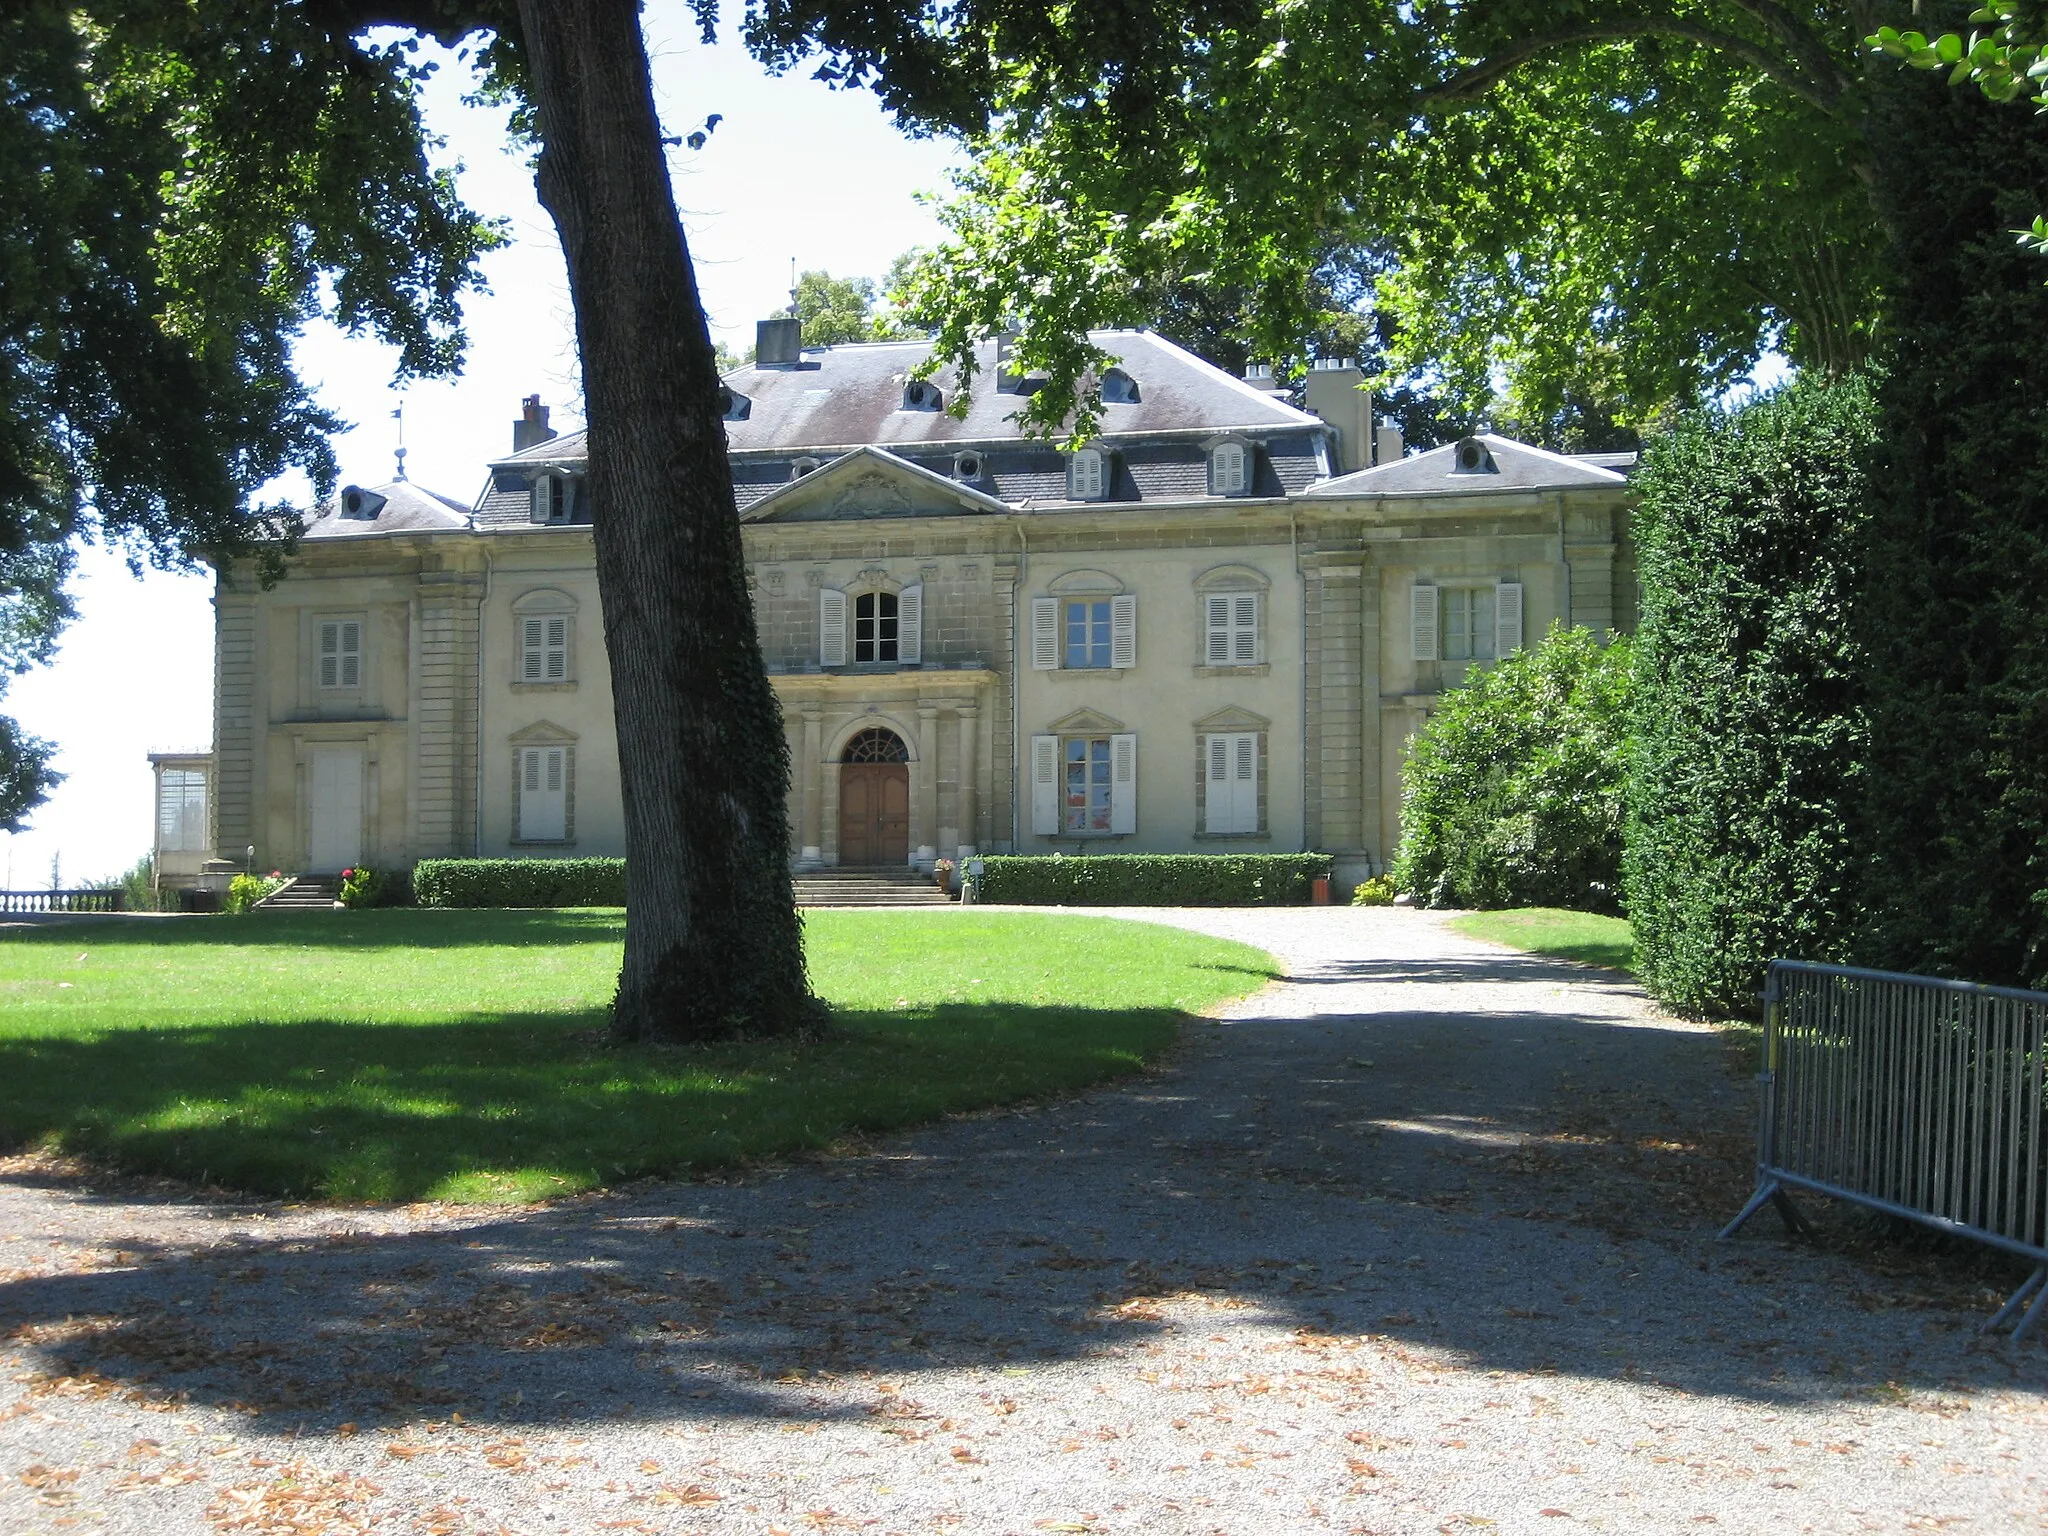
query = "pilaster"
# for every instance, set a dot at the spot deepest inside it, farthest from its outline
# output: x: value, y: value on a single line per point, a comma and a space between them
x: 445, y: 723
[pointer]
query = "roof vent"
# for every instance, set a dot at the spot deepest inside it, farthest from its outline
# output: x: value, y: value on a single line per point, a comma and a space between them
x: 1119, y: 388
x: 922, y: 395
x: 360, y: 504
x: 532, y: 426
x: 800, y: 467
x: 1473, y: 457
x: 967, y: 466
x: 778, y: 343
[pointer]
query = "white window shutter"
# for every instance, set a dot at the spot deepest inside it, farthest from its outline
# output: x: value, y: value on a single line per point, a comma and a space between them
x: 1216, y: 803
x: 831, y: 627
x: 330, y: 658
x: 1245, y: 642
x: 539, y: 497
x: 1045, y: 634
x: 910, y: 625
x: 1123, y: 632
x: 1422, y: 621
x: 1123, y: 783
x: 1217, y: 652
x: 1045, y: 785
x: 351, y: 654
x: 558, y: 650
x: 1507, y: 617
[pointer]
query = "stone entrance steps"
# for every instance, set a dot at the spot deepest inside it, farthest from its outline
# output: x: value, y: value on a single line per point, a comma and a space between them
x: 894, y: 886
x: 306, y: 893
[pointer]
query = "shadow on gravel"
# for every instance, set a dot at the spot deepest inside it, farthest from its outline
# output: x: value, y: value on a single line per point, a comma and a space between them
x: 1519, y: 1192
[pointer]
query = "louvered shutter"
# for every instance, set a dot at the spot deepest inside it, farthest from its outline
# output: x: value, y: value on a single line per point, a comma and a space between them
x: 831, y: 627
x: 1507, y: 618
x: 1123, y: 783
x: 351, y: 654
x: 1244, y: 641
x: 538, y: 512
x: 1244, y: 783
x: 1217, y: 652
x: 1045, y: 634
x: 1216, y: 786
x: 330, y: 655
x: 1045, y: 785
x: 1422, y: 606
x: 532, y: 645
x: 558, y: 649
x: 1123, y: 632
x: 910, y: 625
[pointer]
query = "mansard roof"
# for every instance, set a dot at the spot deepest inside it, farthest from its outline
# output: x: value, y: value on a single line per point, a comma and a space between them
x: 397, y: 506
x: 1505, y: 465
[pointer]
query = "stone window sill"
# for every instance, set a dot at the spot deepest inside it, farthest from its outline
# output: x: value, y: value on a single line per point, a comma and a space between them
x: 1233, y: 837
x: 1246, y: 669
x: 1104, y: 674
x: 543, y: 842
x: 568, y: 685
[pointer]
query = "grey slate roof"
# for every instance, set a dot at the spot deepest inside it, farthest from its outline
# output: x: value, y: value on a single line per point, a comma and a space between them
x: 1517, y: 467
x: 407, y: 508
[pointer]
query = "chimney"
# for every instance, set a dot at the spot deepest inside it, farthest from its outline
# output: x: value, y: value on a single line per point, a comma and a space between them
x: 1390, y: 446
x: 778, y: 343
x: 532, y: 426
x: 1334, y: 392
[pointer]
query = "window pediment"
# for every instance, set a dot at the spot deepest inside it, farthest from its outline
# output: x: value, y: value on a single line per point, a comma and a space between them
x: 544, y: 600
x: 1086, y: 722
x: 1233, y: 578
x: 1231, y: 718
x: 542, y: 733
x: 1077, y: 583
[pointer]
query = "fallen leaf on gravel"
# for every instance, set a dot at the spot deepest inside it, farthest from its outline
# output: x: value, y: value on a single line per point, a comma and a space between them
x: 1361, y: 1468
x: 650, y: 1465
x: 962, y: 1454
x: 1555, y: 1514
x: 407, y: 1452
x: 300, y: 1501
x: 695, y: 1496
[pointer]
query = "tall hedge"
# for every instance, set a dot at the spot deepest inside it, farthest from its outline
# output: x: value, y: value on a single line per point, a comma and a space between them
x: 1748, y: 709
x: 1955, y: 604
x: 1512, y: 794
x: 520, y: 882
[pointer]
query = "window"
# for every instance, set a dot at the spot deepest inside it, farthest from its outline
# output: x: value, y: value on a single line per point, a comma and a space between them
x: 552, y: 499
x: 874, y: 627
x: 923, y: 395
x: 181, y: 810
x: 1119, y: 388
x: 1084, y: 475
x: 967, y: 466
x: 542, y: 802
x: 544, y: 648
x: 1092, y: 633
x: 1468, y: 623
x: 1084, y: 785
x: 800, y: 467
x: 1232, y: 638
x: 1230, y: 783
x: 341, y: 653
x: 1229, y: 470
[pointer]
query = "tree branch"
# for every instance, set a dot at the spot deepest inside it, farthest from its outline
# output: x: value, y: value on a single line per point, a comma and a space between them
x: 1809, y: 47
x: 1824, y: 96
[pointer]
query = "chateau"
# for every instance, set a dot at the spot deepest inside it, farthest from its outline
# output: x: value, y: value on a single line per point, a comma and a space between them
x: 1213, y: 627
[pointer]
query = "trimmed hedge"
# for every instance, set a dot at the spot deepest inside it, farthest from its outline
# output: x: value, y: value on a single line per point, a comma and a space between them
x: 520, y: 882
x: 1154, y: 879
x: 1749, y: 722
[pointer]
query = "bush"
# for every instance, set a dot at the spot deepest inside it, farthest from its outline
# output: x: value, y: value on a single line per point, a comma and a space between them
x: 1513, y: 792
x: 1748, y: 721
x: 244, y: 891
x: 1155, y: 879
x: 1375, y: 891
x: 364, y: 888
x: 520, y: 882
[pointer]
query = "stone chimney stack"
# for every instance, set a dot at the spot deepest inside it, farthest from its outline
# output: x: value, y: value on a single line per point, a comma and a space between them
x: 1334, y: 393
x: 532, y: 426
x: 778, y: 343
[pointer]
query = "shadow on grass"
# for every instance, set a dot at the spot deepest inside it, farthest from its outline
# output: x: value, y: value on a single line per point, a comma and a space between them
x: 527, y: 1106
x: 405, y: 927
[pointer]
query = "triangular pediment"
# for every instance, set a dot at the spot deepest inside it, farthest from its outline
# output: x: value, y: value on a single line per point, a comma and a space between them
x: 542, y: 733
x: 869, y: 483
x: 1231, y: 718
x: 1086, y: 722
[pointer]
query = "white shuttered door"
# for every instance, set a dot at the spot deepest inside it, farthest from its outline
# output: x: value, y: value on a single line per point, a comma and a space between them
x: 1123, y: 783
x: 1230, y: 792
x: 831, y: 627
x: 1422, y: 621
x: 1507, y: 618
x: 1045, y: 785
x: 543, y: 794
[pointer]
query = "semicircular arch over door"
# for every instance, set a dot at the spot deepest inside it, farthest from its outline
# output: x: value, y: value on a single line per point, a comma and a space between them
x: 874, y: 799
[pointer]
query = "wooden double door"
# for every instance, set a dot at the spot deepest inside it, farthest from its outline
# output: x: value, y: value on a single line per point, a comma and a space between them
x: 874, y: 813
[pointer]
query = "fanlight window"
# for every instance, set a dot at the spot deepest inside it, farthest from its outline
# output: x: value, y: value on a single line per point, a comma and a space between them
x: 876, y: 745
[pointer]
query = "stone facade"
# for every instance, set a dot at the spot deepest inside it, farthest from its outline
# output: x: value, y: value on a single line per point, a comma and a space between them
x: 1211, y: 638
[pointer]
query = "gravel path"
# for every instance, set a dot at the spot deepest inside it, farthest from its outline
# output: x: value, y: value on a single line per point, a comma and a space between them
x: 1418, y: 1240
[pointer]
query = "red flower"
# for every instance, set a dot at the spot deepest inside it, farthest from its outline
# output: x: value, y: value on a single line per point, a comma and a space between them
x: 348, y: 874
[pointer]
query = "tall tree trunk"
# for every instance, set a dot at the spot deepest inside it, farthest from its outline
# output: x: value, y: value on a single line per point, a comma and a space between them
x: 713, y: 943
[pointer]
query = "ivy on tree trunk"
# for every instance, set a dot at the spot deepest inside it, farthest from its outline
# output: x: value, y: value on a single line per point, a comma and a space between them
x: 713, y: 941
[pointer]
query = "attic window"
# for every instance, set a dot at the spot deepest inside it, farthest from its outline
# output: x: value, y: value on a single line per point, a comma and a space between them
x: 801, y: 467
x: 1229, y: 469
x: 922, y: 395
x: 1471, y: 457
x: 1085, y: 476
x: 1119, y: 388
x: 967, y: 466
x: 360, y: 504
x: 553, y: 497
x: 733, y: 405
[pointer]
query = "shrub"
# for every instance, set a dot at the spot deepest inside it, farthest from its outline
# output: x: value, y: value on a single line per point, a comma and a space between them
x: 1154, y: 879
x: 1749, y: 729
x: 363, y: 888
x: 520, y: 882
x: 1375, y: 891
x: 1513, y: 791
x: 244, y: 891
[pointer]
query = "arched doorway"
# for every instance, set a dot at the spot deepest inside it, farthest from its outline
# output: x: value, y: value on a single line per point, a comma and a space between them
x: 874, y: 799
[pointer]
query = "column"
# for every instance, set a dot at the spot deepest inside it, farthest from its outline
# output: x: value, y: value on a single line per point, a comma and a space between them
x: 969, y: 719
x: 924, y: 788
x: 810, y: 775
x: 446, y: 712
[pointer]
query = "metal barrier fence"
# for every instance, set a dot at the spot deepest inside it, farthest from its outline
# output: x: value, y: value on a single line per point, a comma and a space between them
x: 1921, y: 1098
x: 61, y: 901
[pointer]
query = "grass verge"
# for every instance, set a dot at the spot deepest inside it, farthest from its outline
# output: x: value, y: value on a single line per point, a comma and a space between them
x: 1584, y: 936
x: 400, y: 1055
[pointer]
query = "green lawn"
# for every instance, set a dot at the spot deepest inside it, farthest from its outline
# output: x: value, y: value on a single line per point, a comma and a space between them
x: 1554, y: 931
x: 396, y: 1055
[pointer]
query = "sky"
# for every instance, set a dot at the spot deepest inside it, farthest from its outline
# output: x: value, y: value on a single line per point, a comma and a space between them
x: 793, y: 171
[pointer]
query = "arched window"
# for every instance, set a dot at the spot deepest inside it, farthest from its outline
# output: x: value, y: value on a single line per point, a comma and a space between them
x: 875, y: 627
x: 876, y: 745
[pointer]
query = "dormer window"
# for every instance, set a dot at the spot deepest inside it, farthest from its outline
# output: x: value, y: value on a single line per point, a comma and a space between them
x: 800, y: 467
x: 967, y: 466
x: 361, y: 505
x: 1229, y: 469
x: 554, y: 499
x: 922, y: 395
x: 1473, y: 457
x: 732, y: 405
x: 1085, y: 475
x: 1119, y: 388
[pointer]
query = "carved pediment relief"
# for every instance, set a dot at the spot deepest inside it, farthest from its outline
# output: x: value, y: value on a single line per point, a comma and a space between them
x: 872, y: 494
x: 869, y: 482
